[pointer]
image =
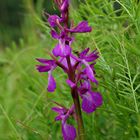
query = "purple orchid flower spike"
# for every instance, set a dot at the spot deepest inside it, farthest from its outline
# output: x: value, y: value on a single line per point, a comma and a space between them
x: 79, y: 69
x: 68, y: 131
x: 48, y: 66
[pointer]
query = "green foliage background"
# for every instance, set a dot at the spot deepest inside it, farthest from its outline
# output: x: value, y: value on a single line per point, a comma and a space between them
x: 25, y: 105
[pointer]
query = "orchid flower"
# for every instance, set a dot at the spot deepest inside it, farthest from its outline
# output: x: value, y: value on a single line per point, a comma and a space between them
x: 90, y: 101
x: 68, y: 131
x: 48, y: 66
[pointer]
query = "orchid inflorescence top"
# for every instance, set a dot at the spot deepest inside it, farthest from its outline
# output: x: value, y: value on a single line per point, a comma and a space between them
x: 79, y: 67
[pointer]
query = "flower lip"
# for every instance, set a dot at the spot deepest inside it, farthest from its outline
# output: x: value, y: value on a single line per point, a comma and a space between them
x: 68, y: 131
x: 91, y: 101
x: 51, y: 83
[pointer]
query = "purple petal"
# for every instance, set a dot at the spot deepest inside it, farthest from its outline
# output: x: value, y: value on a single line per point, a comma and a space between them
x: 89, y: 58
x: 86, y: 84
x: 67, y: 50
x: 92, y: 56
x: 57, y: 50
x: 97, y: 99
x: 64, y: 62
x: 42, y: 60
x: 43, y: 68
x: 82, y: 27
x: 89, y: 72
x: 71, y: 110
x: 68, y: 131
x: 87, y: 103
x: 53, y: 20
x: 82, y: 90
x: 54, y: 34
x: 61, y: 50
x: 59, y: 110
x: 45, y: 61
x: 51, y: 83
x: 70, y: 83
x: 57, y: 118
x: 84, y: 52
x: 73, y: 61
x: 91, y: 100
x: 84, y: 87
x: 75, y: 58
x: 65, y: 6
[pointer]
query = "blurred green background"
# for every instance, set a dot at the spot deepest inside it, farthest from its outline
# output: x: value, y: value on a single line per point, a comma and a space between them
x: 16, y: 18
x: 25, y: 105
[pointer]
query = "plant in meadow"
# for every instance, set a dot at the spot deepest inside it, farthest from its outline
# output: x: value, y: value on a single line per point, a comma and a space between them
x: 79, y: 69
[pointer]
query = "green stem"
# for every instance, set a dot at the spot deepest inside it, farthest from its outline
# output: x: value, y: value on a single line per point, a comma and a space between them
x: 79, y: 119
x: 74, y: 93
